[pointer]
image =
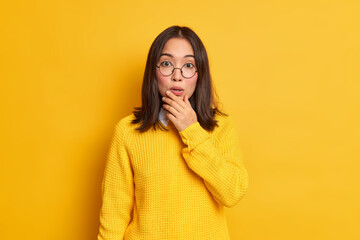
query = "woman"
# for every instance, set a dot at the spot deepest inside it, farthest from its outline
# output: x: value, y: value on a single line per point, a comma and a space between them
x: 175, y: 162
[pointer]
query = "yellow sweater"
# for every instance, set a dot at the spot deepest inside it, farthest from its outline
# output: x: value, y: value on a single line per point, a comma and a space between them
x: 162, y: 185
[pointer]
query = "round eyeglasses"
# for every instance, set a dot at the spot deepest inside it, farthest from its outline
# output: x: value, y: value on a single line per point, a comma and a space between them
x: 166, y: 68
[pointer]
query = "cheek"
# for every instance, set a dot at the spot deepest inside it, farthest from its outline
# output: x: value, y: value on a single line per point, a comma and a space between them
x: 162, y: 83
x: 191, y: 83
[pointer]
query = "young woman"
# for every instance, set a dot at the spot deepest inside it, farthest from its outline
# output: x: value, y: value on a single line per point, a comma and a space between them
x: 175, y: 162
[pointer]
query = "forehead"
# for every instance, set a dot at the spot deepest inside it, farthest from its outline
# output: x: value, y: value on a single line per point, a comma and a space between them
x: 178, y: 47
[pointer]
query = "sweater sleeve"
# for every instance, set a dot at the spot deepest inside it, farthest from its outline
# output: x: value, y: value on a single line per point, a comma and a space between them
x: 117, y: 190
x: 218, y: 161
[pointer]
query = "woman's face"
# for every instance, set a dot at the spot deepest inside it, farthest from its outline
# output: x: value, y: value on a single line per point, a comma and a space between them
x: 178, y: 52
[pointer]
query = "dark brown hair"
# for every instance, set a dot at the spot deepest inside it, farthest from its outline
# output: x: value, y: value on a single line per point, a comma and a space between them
x: 203, y: 99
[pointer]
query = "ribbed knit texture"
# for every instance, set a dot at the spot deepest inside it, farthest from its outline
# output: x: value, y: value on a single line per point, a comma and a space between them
x: 171, y: 185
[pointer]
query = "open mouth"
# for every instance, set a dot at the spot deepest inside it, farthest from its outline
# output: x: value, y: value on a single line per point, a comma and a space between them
x: 177, y: 91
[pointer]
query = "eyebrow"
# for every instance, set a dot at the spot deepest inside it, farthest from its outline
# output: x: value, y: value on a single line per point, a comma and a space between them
x: 169, y: 55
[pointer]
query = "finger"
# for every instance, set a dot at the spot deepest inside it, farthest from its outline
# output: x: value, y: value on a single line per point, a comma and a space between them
x: 170, y: 117
x: 175, y: 98
x: 172, y: 103
x: 170, y: 109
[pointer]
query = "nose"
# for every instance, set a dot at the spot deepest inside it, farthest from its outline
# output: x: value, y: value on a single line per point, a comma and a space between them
x: 177, y: 75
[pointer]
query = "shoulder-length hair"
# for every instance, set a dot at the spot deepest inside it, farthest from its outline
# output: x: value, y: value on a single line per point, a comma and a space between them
x: 203, y: 99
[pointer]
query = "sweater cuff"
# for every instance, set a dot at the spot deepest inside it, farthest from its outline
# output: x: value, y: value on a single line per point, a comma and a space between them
x: 193, y: 135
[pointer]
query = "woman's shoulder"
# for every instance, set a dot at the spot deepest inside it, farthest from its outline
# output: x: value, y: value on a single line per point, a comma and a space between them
x: 127, y: 119
x: 223, y: 119
x: 224, y: 122
x: 125, y: 125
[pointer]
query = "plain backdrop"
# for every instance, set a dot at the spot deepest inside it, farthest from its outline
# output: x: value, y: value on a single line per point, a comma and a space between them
x: 287, y: 71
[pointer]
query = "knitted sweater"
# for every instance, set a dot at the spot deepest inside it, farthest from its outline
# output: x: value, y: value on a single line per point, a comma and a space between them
x: 171, y: 185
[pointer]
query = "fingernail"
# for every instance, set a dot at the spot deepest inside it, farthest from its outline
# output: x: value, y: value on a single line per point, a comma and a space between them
x: 168, y: 92
x: 163, y: 98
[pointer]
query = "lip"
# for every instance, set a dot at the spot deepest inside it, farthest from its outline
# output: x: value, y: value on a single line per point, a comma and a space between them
x: 177, y: 91
x: 177, y: 88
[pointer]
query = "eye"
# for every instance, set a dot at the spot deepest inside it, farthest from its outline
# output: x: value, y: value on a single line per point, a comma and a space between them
x: 165, y: 64
x: 189, y: 65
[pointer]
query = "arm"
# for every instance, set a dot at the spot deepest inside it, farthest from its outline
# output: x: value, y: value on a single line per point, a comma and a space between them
x: 218, y: 162
x: 117, y: 190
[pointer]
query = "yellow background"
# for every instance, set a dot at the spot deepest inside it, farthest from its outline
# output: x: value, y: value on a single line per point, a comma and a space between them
x: 288, y: 71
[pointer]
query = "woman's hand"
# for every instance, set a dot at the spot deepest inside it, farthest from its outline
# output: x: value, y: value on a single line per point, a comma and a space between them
x: 179, y: 112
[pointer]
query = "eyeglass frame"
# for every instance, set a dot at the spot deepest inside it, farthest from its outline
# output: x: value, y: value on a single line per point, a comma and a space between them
x: 172, y: 72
